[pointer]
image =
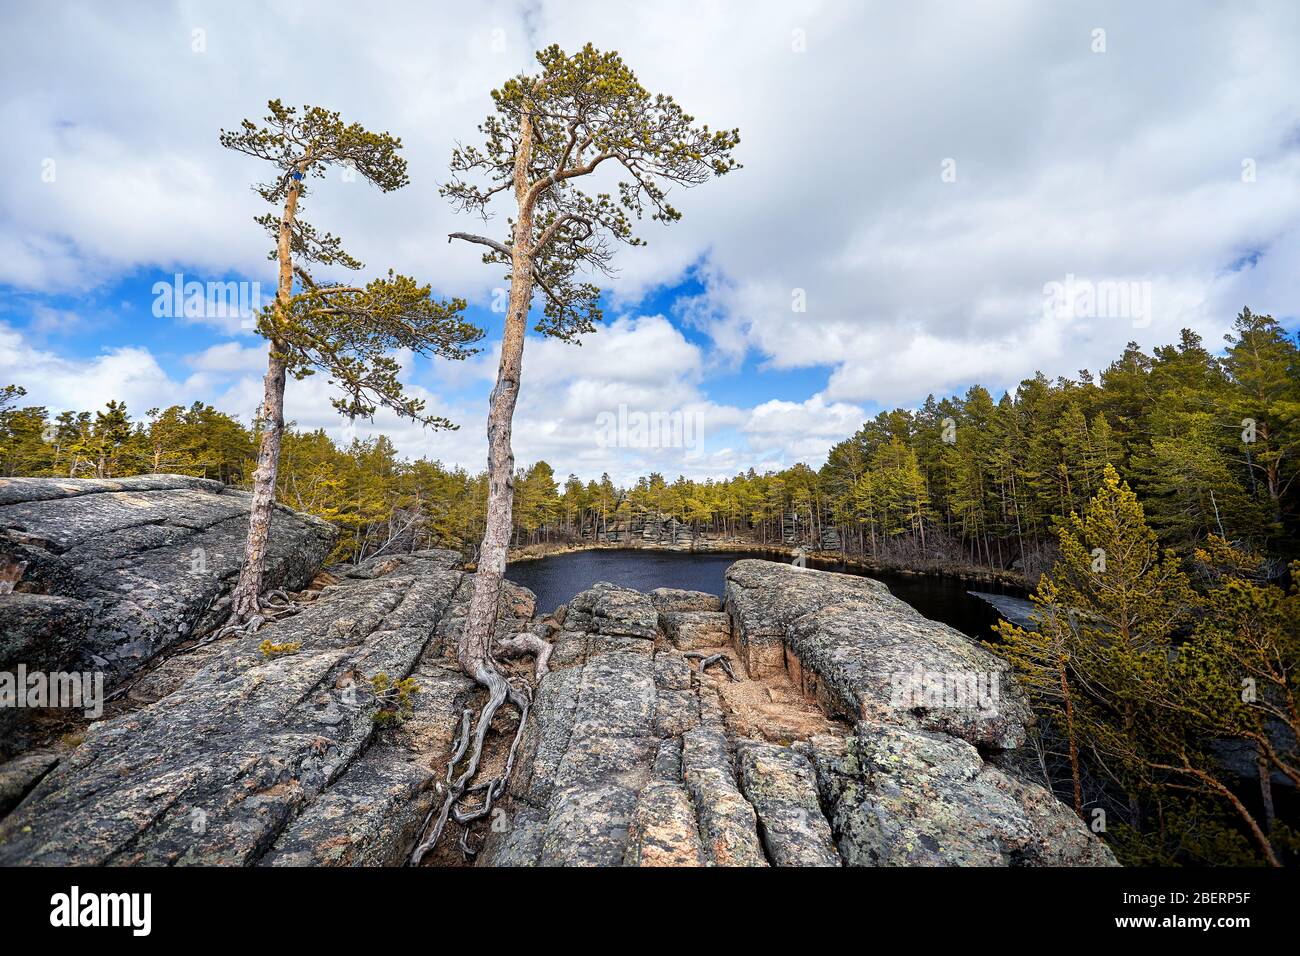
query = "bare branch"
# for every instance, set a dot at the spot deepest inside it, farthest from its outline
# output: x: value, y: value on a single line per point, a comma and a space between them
x: 482, y: 241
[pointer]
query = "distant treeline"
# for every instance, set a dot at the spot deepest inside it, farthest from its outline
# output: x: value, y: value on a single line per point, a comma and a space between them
x: 1210, y: 444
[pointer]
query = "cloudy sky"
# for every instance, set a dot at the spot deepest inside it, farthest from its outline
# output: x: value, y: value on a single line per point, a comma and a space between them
x: 921, y: 181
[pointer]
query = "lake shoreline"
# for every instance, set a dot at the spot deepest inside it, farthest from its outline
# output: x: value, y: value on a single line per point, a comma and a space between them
x: 855, y: 563
x: 939, y: 597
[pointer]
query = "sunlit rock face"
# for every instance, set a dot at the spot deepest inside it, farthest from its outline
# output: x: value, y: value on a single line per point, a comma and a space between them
x: 866, y: 655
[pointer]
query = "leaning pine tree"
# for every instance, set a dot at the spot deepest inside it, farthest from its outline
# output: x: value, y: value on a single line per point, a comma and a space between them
x: 349, y: 332
x: 1106, y: 615
x: 1041, y: 656
x: 581, y: 115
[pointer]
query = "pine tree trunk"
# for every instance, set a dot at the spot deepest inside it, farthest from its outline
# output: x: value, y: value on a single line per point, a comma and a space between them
x: 474, y: 652
x: 1216, y: 787
x: 1075, y: 776
x: 1265, y: 787
x: 246, y: 599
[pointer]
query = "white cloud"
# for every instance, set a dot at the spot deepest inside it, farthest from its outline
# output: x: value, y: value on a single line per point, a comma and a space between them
x: 1124, y: 165
x: 125, y: 374
x: 47, y: 321
x: 801, y: 431
x: 230, y: 357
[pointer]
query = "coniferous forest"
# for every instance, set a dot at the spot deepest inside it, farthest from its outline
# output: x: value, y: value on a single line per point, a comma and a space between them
x: 1208, y: 438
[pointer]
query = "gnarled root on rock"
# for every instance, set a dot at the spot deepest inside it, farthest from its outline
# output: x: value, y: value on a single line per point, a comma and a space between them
x: 500, y: 689
x: 706, y: 660
x: 522, y: 645
x: 274, y: 606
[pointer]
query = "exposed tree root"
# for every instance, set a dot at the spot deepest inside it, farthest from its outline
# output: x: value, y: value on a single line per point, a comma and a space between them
x: 465, y: 847
x: 706, y: 660
x: 522, y: 645
x: 275, y: 606
x: 500, y: 690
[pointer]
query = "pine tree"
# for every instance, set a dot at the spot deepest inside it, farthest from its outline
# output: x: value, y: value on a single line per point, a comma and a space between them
x: 23, y: 446
x: 579, y: 115
x: 1108, y: 611
x: 1042, y: 657
x: 1264, y: 365
x: 1237, y: 677
x: 108, y: 438
x: 346, y: 331
x: 1190, y: 485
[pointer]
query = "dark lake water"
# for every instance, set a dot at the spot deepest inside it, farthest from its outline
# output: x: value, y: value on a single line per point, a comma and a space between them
x: 558, y: 578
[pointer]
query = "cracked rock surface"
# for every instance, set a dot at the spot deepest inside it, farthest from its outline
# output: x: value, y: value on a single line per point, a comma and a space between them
x: 246, y: 759
x: 633, y: 757
x: 855, y: 647
x: 113, y: 572
x: 632, y: 754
